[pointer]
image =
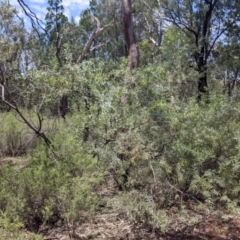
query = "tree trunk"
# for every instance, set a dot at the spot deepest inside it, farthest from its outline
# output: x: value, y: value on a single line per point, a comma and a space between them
x: 202, y: 69
x: 205, y: 51
x: 202, y: 85
x: 133, y: 51
x: 63, y: 106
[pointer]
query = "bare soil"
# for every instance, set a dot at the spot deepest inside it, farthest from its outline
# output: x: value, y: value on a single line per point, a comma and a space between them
x: 114, y: 226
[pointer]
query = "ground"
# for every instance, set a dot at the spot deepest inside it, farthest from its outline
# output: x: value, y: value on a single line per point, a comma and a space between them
x: 113, y: 226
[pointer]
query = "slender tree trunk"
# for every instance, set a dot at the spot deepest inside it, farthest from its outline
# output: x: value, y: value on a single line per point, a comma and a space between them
x: 202, y: 85
x: 205, y: 52
x: 202, y: 69
x: 133, y: 51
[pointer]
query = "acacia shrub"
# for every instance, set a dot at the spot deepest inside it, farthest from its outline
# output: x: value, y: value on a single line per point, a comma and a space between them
x: 203, y: 159
x: 191, y: 162
x: 53, y: 185
x: 163, y: 150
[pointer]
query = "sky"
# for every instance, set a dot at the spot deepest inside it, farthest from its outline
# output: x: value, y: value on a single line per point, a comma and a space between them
x: 72, y: 8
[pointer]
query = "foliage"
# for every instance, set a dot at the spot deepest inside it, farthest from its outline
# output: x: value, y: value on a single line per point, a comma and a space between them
x: 15, y: 137
x: 55, y: 19
x: 112, y: 42
x: 51, y: 185
x: 167, y: 154
x: 199, y: 164
x: 204, y: 156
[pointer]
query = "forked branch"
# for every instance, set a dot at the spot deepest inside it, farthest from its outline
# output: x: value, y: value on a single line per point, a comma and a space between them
x: 94, y: 35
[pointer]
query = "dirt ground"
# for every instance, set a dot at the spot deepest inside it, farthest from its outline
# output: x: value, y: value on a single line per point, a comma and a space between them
x: 113, y: 226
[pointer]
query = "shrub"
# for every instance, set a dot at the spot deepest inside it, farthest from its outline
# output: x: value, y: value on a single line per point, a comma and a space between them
x: 203, y: 159
x: 11, y: 142
x: 50, y: 186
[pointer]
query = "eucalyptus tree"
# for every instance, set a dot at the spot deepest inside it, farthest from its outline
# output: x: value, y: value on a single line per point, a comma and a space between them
x: 55, y: 22
x: 12, y: 39
x: 226, y: 55
x: 149, y: 21
x: 129, y: 34
x: 204, y: 23
x: 110, y: 44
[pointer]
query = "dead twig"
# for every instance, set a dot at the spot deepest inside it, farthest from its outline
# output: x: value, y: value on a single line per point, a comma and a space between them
x: 183, y: 193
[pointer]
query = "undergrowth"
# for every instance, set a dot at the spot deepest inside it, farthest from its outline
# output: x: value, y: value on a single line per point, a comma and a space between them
x: 54, y: 184
x: 168, y: 156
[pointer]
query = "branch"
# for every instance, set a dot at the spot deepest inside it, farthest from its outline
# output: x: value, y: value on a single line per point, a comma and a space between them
x: 163, y: 147
x: 183, y: 193
x: 153, y: 172
x: 3, y: 98
x: 150, y: 8
x: 182, y: 26
x: 149, y: 31
x: 58, y: 48
x: 94, y: 35
x: 14, y: 106
x: 32, y: 16
x: 98, y: 46
x: 154, y: 42
x: 214, y: 41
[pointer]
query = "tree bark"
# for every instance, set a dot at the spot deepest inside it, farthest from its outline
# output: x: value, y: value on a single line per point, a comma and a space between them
x: 63, y: 106
x: 205, y: 51
x: 202, y: 69
x: 133, y: 61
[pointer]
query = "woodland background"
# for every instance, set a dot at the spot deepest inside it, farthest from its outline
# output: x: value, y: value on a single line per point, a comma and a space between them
x: 134, y: 111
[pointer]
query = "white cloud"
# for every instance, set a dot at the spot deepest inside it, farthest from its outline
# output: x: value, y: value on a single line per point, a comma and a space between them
x: 72, y: 8
x: 77, y: 19
x: 39, y: 1
x: 14, y: 2
x: 67, y: 12
x: 75, y: 3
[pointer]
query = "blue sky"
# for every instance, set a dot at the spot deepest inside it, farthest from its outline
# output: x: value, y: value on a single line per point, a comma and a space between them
x: 72, y: 8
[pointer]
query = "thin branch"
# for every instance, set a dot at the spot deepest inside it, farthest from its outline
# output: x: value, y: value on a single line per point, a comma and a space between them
x: 154, y: 42
x: 14, y: 106
x: 163, y: 148
x: 153, y: 172
x: 32, y: 16
x: 3, y: 97
x: 98, y: 46
x: 169, y: 184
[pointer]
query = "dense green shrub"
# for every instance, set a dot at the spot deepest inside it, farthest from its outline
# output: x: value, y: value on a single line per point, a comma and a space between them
x: 195, y: 164
x: 160, y: 148
x: 204, y: 156
x: 54, y: 184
